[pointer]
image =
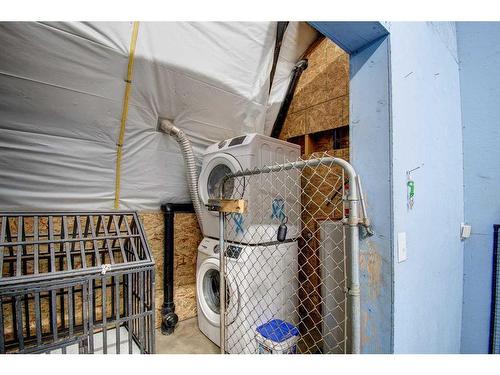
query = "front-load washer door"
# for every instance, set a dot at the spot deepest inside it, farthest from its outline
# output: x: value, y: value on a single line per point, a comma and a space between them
x: 212, y: 174
x: 207, y: 293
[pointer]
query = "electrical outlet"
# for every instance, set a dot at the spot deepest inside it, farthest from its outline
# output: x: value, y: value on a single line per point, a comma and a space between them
x: 402, y: 254
x: 465, y: 230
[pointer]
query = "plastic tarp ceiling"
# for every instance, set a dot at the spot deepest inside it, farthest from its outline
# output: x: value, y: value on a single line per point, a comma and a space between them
x: 61, y: 97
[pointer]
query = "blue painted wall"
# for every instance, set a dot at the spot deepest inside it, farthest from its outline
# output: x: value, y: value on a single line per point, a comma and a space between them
x: 479, y: 54
x: 427, y: 133
x: 370, y: 156
x: 406, y: 113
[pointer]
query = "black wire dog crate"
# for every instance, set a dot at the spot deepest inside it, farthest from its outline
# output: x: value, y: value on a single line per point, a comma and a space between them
x: 75, y: 283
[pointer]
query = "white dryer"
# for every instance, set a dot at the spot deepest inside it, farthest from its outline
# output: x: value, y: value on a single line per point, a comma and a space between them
x: 261, y: 285
x: 247, y: 153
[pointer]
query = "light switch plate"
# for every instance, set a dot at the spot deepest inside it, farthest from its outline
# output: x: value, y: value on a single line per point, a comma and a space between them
x: 402, y: 255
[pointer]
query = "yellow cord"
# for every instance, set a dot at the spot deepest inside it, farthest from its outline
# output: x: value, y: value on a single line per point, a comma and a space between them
x: 123, y: 122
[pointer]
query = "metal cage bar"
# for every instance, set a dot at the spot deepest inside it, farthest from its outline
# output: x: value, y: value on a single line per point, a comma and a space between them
x: 75, y: 282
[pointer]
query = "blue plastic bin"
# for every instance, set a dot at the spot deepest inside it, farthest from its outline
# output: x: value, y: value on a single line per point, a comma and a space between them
x: 277, y: 337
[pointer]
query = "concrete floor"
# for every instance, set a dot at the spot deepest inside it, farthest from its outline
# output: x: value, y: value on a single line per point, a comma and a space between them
x: 186, y: 339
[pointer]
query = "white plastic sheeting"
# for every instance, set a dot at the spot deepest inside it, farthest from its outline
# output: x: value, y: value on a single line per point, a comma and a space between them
x: 61, y: 98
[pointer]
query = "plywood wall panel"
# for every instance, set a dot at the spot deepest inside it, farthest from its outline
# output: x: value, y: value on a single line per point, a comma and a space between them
x: 337, y: 77
x: 327, y: 115
x: 295, y: 124
x: 321, y: 98
x: 185, y: 301
x: 333, y: 51
x: 312, y: 88
x: 187, y: 236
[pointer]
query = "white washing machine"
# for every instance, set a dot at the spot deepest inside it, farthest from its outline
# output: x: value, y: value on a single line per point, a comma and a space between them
x: 261, y: 284
x: 207, y: 290
x: 247, y: 153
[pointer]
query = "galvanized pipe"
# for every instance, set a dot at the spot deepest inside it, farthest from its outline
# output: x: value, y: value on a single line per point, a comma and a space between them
x: 301, y: 164
x: 365, y: 220
x: 353, y: 223
x: 354, y: 291
x: 222, y: 285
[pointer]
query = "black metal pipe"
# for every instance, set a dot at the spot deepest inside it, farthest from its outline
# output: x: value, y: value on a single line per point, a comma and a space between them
x: 280, y: 33
x: 280, y: 119
x: 169, y: 317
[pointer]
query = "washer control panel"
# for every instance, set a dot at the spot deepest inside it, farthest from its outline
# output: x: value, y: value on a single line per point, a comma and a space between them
x: 211, y: 247
x: 237, y: 141
x: 231, y: 142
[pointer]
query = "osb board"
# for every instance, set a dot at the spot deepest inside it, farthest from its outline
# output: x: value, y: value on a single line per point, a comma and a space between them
x: 327, y: 115
x: 321, y: 82
x: 326, y: 77
x: 187, y: 236
x: 321, y: 98
x: 295, y: 125
x: 184, y: 299
x: 342, y: 153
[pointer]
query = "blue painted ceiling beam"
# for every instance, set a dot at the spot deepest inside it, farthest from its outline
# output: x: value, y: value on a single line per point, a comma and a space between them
x: 351, y: 36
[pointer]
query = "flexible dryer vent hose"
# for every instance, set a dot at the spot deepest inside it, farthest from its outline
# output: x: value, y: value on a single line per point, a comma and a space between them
x: 189, y: 162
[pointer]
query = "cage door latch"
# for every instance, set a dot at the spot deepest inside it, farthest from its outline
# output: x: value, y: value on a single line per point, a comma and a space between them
x: 105, y: 268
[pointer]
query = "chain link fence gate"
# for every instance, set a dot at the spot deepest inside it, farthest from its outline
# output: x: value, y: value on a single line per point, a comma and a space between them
x: 290, y: 281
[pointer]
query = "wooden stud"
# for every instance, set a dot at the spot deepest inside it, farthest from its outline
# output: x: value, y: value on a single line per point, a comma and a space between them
x: 238, y: 206
x: 308, y: 145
